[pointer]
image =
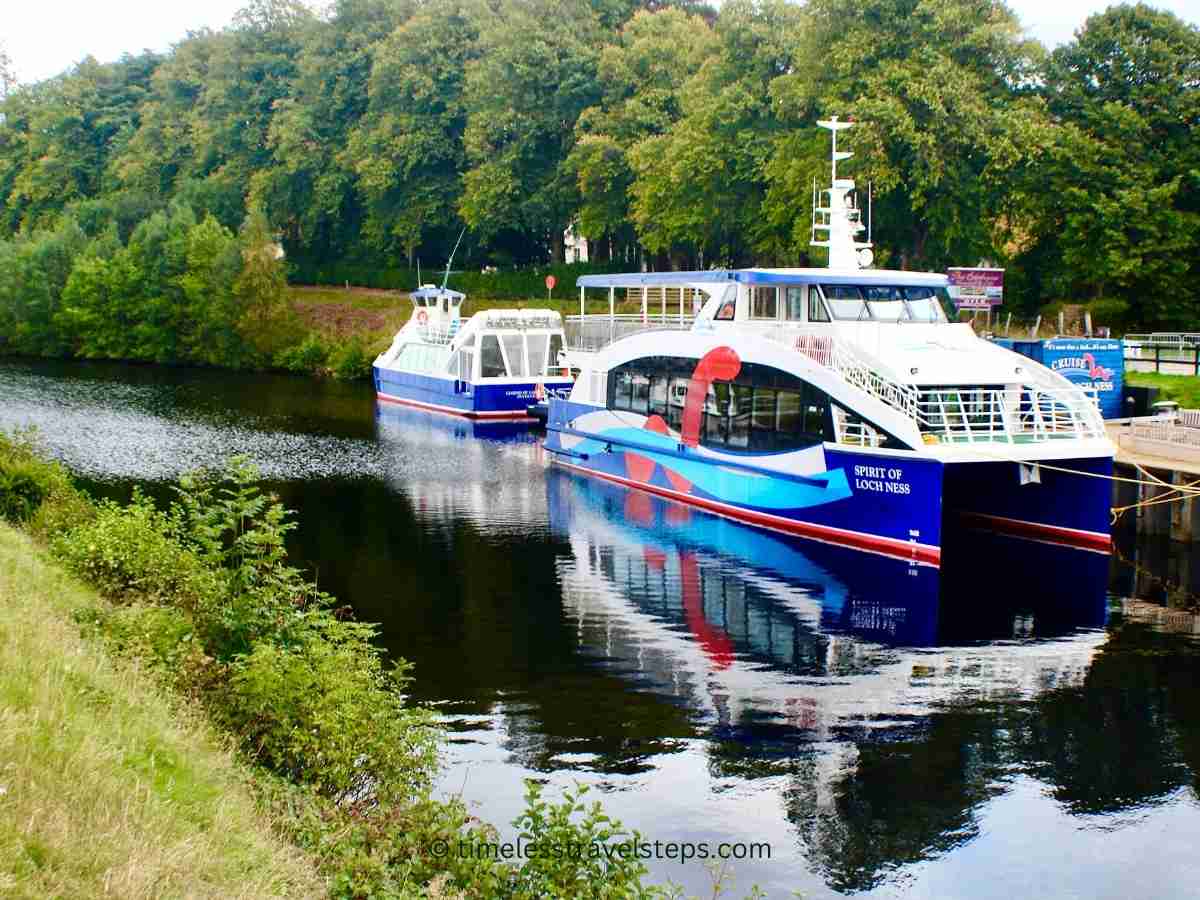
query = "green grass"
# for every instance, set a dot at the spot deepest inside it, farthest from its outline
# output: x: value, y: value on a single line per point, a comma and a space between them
x: 1183, y: 389
x: 108, y: 788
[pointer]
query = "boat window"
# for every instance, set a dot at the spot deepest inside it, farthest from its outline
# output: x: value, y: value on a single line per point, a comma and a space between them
x: 764, y: 302
x: 845, y: 301
x: 726, y: 310
x: 641, y: 393
x: 658, y: 394
x: 491, y: 363
x: 791, y: 419
x: 676, y: 399
x: 816, y: 307
x: 462, y: 365
x: 740, y: 403
x: 816, y: 413
x: 514, y: 352
x: 555, y: 349
x: 794, y: 308
x: 886, y: 303
x: 763, y: 410
x: 923, y: 304
x: 623, y: 398
x: 537, y: 353
x: 716, y: 414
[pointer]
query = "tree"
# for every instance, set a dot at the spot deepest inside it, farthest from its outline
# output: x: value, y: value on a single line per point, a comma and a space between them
x: 535, y: 73
x: 640, y: 76
x: 260, y: 286
x: 1113, y: 210
x: 8, y: 75
x: 941, y: 90
x: 308, y: 187
x: 407, y: 153
x: 699, y: 185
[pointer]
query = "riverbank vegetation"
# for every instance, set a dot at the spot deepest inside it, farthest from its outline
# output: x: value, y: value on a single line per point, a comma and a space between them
x: 674, y: 134
x: 195, y: 622
x: 1183, y: 389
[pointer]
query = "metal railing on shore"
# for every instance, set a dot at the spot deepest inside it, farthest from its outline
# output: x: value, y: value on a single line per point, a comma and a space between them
x: 1179, y: 351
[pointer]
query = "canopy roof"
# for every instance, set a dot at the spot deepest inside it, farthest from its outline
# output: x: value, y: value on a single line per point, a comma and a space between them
x: 765, y: 276
x: 435, y: 293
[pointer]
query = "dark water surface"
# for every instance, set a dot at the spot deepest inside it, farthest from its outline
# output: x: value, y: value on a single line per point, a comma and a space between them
x: 1016, y: 725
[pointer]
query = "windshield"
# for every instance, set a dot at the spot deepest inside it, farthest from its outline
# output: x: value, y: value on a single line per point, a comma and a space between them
x: 884, y: 303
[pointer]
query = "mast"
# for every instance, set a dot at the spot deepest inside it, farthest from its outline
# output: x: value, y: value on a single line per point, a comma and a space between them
x: 841, y: 219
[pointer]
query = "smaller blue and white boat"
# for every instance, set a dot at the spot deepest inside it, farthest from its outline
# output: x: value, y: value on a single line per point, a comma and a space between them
x: 490, y: 366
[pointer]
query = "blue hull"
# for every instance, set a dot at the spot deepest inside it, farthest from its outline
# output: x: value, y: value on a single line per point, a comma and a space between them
x: 889, y: 503
x: 462, y: 398
x: 868, y: 500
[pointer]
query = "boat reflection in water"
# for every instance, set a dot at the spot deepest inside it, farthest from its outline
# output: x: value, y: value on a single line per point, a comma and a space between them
x: 757, y: 627
x: 854, y: 688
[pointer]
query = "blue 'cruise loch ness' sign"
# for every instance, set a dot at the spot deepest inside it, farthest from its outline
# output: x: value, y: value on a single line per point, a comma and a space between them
x: 1095, y: 362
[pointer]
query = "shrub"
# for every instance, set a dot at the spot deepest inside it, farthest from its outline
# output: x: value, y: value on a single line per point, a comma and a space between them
x: 308, y: 356
x: 126, y: 554
x: 1110, y: 311
x: 26, y: 479
x: 325, y: 711
x: 352, y: 360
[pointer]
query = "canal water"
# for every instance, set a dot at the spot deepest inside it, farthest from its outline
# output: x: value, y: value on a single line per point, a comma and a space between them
x: 1026, y: 722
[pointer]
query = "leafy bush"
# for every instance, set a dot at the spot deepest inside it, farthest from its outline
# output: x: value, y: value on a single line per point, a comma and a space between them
x: 1112, y: 312
x: 325, y: 711
x: 571, y: 861
x: 126, y: 554
x: 308, y: 356
x: 352, y: 360
x: 26, y: 480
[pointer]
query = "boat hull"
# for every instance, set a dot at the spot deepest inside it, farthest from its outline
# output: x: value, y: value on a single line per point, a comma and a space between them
x: 1068, y: 503
x: 475, y: 400
x: 869, y: 500
x: 894, y: 503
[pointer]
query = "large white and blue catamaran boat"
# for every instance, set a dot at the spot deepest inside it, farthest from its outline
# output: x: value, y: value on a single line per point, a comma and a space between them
x: 839, y: 404
x: 490, y: 366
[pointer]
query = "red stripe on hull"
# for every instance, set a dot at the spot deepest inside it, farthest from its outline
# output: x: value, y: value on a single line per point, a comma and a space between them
x: 1055, y: 534
x: 506, y: 415
x: 914, y: 552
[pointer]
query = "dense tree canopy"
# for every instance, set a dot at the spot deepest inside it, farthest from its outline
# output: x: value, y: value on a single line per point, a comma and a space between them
x: 673, y: 134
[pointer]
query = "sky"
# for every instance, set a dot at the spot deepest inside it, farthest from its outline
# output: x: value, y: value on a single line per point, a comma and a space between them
x: 44, y: 37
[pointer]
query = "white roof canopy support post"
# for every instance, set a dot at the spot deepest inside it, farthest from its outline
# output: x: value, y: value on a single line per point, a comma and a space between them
x: 612, y: 308
x: 664, y: 302
x: 645, y: 298
x: 582, y: 291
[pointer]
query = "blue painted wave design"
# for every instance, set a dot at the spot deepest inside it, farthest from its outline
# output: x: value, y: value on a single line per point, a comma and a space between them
x: 727, y: 485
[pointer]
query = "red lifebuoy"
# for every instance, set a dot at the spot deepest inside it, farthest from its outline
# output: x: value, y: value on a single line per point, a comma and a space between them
x: 422, y: 316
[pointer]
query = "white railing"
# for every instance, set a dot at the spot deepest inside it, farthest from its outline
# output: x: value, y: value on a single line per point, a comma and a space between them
x: 440, y: 335
x: 1020, y: 414
x: 841, y: 356
x: 1182, y: 340
x: 1045, y: 410
x: 595, y: 332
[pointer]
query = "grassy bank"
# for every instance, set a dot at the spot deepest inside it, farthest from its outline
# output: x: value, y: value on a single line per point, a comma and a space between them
x: 106, y: 789
x: 1183, y: 389
x: 186, y: 631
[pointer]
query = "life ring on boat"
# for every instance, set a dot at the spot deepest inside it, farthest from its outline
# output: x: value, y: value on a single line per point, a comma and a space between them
x: 422, y: 316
